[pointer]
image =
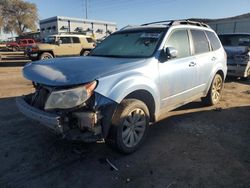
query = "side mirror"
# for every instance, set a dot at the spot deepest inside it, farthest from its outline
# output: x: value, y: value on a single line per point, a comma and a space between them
x: 59, y: 42
x: 171, y: 52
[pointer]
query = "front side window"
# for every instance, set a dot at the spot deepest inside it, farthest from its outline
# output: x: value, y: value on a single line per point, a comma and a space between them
x: 180, y: 41
x: 129, y: 44
x: 65, y: 40
x: 201, y: 44
x: 50, y: 40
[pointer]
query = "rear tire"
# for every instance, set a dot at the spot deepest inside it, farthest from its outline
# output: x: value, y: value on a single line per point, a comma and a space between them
x: 129, y: 126
x: 248, y: 75
x: 15, y: 49
x: 85, y: 53
x: 214, y: 93
x: 45, y: 56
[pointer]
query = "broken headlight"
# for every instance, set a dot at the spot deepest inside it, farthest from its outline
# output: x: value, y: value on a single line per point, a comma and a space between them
x: 69, y: 98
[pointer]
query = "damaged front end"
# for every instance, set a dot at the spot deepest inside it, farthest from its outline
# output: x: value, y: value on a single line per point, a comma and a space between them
x: 75, y: 113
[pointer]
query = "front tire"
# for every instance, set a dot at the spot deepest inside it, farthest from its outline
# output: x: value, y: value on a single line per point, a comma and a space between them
x: 214, y: 94
x: 129, y: 126
x: 45, y: 56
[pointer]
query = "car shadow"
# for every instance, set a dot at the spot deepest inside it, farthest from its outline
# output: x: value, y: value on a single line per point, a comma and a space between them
x: 230, y: 79
x: 207, y: 139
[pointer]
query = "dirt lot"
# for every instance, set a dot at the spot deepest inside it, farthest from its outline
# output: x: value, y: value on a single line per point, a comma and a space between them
x: 196, y: 146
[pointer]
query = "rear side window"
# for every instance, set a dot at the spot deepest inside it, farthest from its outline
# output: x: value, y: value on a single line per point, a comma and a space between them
x: 214, y: 41
x: 23, y: 42
x: 180, y: 41
x: 76, y: 40
x: 200, y: 42
x: 30, y: 41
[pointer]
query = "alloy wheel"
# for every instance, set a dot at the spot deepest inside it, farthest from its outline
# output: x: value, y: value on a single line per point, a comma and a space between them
x: 134, y: 126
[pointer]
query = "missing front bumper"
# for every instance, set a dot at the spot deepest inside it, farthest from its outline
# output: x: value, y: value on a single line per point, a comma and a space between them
x: 86, y: 121
x: 51, y: 121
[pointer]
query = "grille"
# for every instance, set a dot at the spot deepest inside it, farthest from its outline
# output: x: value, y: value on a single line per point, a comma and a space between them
x: 40, y: 97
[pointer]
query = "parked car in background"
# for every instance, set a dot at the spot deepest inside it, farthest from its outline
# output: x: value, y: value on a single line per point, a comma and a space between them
x: 237, y: 46
x: 61, y: 45
x: 131, y: 79
x: 21, y: 44
x: 2, y: 46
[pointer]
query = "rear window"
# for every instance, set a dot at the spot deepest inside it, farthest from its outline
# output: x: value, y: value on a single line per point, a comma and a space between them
x: 214, y: 41
x: 90, y: 40
x: 200, y: 42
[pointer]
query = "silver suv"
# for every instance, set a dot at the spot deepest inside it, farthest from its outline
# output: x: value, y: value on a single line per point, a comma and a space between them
x: 131, y: 79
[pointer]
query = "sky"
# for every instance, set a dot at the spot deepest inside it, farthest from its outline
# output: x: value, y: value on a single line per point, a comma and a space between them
x: 130, y: 12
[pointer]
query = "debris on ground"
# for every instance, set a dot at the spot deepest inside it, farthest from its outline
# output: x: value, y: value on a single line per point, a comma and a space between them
x: 128, y: 180
x: 113, y: 167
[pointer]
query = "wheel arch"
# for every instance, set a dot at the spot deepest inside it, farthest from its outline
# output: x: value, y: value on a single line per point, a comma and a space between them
x: 84, y: 49
x: 47, y: 51
x: 145, y: 97
x: 221, y: 73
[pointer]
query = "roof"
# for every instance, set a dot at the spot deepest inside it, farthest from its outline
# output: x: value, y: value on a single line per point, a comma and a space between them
x: 71, y: 35
x: 165, y: 24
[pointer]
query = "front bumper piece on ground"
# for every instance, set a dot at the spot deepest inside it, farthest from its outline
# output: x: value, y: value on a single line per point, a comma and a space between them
x: 52, y: 121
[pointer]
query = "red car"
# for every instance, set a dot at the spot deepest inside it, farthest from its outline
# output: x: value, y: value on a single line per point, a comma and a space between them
x: 21, y: 44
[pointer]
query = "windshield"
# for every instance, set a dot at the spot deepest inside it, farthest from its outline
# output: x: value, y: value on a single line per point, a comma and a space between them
x: 235, y: 40
x: 50, y: 40
x: 129, y: 44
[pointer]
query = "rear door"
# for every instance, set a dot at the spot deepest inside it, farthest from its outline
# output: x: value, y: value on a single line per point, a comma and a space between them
x: 23, y: 44
x: 178, y: 75
x: 31, y: 42
x: 205, y: 58
x: 76, y: 46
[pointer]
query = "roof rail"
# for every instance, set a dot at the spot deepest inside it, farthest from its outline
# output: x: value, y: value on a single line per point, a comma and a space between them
x: 159, y: 22
x: 178, y: 22
x: 126, y: 27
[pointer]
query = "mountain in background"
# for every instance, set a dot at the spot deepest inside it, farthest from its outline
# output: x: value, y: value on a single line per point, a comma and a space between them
x: 205, y: 20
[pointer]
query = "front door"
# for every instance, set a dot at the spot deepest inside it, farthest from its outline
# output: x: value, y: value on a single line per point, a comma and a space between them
x: 178, y: 76
x: 65, y: 48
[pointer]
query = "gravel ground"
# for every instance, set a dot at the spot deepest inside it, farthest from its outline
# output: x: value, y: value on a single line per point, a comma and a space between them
x: 195, y: 146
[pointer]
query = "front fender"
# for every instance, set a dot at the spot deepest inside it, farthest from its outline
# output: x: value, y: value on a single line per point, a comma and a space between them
x: 117, y: 88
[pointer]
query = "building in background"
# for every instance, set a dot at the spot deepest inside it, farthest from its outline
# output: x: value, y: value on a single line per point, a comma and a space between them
x: 59, y: 24
x: 231, y: 26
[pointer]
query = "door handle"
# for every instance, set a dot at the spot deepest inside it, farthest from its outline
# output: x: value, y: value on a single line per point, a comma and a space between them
x: 192, y: 64
x: 213, y: 58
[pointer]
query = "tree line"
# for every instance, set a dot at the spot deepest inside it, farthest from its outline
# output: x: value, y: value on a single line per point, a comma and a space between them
x: 18, y: 16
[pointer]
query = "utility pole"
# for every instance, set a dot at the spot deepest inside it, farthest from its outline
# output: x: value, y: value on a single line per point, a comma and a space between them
x: 86, y: 9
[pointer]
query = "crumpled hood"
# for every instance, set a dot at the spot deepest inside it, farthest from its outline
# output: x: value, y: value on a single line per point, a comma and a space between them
x: 77, y: 70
